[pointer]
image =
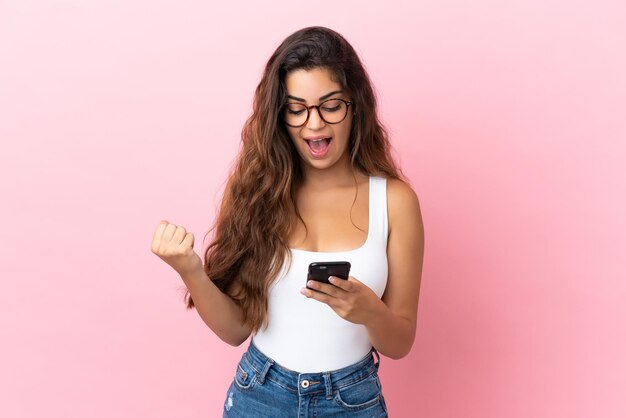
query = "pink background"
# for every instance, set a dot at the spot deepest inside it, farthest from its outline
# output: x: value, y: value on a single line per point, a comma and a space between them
x: 508, y: 117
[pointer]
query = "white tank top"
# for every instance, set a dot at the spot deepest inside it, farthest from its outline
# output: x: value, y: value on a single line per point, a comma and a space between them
x: 306, y: 335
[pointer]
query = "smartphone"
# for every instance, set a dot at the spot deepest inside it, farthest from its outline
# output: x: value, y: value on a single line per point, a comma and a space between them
x: 321, y: 270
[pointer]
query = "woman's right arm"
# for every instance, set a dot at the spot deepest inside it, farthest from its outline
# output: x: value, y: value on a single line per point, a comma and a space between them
x: 216, y: 309
x: 219, y: 311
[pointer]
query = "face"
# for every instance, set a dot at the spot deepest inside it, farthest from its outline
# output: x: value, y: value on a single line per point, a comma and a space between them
x: 321, y: 145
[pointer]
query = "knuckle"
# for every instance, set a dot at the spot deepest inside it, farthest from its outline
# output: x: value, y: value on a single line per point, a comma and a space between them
x: 169, y: 252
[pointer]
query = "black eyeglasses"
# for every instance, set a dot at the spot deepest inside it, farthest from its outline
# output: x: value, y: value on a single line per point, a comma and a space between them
x: 331, y: 111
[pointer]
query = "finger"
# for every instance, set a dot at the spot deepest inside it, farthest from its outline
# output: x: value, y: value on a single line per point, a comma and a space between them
x: 319, y: 296
x: 158, y: 234
x: 179, y: 235
x: 343, y: 284
x: 188, y: 241
x: 353, y: 279
x: 329, y: 289
x: 169, y: 233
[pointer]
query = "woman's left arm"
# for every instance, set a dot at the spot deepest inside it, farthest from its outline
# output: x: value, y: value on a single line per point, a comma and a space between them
x: 392, y: 329
x: 392, y: 319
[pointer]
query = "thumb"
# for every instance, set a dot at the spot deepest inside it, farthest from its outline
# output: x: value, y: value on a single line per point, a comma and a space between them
x: 353, y: 279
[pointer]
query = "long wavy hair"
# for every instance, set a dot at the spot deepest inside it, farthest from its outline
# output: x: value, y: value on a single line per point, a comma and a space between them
x: 258, y: 207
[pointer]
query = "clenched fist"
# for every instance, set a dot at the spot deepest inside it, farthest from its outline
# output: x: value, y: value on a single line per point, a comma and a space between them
x: 174, y: 245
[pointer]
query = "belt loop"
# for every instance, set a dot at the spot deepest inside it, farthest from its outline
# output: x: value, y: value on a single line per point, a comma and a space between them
x: 329, y: 385
x: 266, y: 368
x: 377, y: 362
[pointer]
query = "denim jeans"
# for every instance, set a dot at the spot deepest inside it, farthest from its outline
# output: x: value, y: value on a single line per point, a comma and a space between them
x: 261, y: 388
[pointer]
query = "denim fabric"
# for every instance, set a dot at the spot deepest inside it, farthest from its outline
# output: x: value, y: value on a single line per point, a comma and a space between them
x: 261, y: 388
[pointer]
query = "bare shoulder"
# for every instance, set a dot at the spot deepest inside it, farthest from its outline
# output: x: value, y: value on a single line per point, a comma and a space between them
x: 402, y: 203
x: 405, y: 251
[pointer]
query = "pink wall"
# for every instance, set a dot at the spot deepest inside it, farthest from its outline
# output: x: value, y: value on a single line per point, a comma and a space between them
x: 508, y: 117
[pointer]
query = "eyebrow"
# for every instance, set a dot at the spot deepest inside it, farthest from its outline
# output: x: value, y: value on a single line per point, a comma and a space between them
x: 321, y: 98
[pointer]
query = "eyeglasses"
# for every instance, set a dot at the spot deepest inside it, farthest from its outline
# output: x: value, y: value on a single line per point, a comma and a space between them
x: 331, y: 111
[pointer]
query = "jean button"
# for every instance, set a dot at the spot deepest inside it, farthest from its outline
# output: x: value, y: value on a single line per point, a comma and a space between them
x: 305, y: 384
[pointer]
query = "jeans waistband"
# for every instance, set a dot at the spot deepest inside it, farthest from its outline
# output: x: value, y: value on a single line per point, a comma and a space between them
x: 310, y: 383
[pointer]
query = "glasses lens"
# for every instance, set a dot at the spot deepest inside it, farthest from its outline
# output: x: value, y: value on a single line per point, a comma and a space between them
x: 333, y: 111
x: 294, y: 114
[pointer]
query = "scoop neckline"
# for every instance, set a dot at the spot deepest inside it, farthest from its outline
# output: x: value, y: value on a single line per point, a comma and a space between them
x: 369, y: 228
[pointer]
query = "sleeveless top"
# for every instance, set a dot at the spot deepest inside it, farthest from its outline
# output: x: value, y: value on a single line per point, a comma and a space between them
x: 308, y: 336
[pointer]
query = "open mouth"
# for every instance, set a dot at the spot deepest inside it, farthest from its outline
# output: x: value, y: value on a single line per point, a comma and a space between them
x: 319, y: 147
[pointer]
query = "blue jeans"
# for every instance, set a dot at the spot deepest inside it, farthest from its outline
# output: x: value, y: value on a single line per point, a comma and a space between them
x: 261, y: 388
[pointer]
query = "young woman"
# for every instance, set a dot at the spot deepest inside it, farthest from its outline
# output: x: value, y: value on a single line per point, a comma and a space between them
x: 314, y: 182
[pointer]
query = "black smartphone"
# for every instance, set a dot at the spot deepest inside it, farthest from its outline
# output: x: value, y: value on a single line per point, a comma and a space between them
x: 322, y: 270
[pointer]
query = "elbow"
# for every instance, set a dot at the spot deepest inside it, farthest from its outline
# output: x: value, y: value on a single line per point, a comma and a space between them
x: 235, y: 340
x: 237, y: 343
x: 397, y: 356
x: 398, y: 352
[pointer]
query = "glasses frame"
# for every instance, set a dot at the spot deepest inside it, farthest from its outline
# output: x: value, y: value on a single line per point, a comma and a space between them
x: 317, y: 107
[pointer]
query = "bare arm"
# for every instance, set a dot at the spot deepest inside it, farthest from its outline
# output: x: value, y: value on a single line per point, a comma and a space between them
x: 392, y: 329
x: 216, y: 309
x: 174, y: 245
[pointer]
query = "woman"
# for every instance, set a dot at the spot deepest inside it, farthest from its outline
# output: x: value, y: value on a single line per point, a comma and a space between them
x: 314, y: 182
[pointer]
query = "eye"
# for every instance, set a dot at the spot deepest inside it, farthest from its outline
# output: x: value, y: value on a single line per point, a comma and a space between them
x: 295, y: 109
x: 332, y: 105
x: 331, y: 109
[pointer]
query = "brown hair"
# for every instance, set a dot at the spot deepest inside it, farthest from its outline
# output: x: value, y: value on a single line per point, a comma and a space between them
x: 258, y: 207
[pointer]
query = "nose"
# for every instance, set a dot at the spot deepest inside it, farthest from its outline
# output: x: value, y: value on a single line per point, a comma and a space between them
x: 315, y: 121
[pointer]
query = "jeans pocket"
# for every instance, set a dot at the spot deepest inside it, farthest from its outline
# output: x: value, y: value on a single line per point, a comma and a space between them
x: 361, y: 395
x: 245, y: 375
